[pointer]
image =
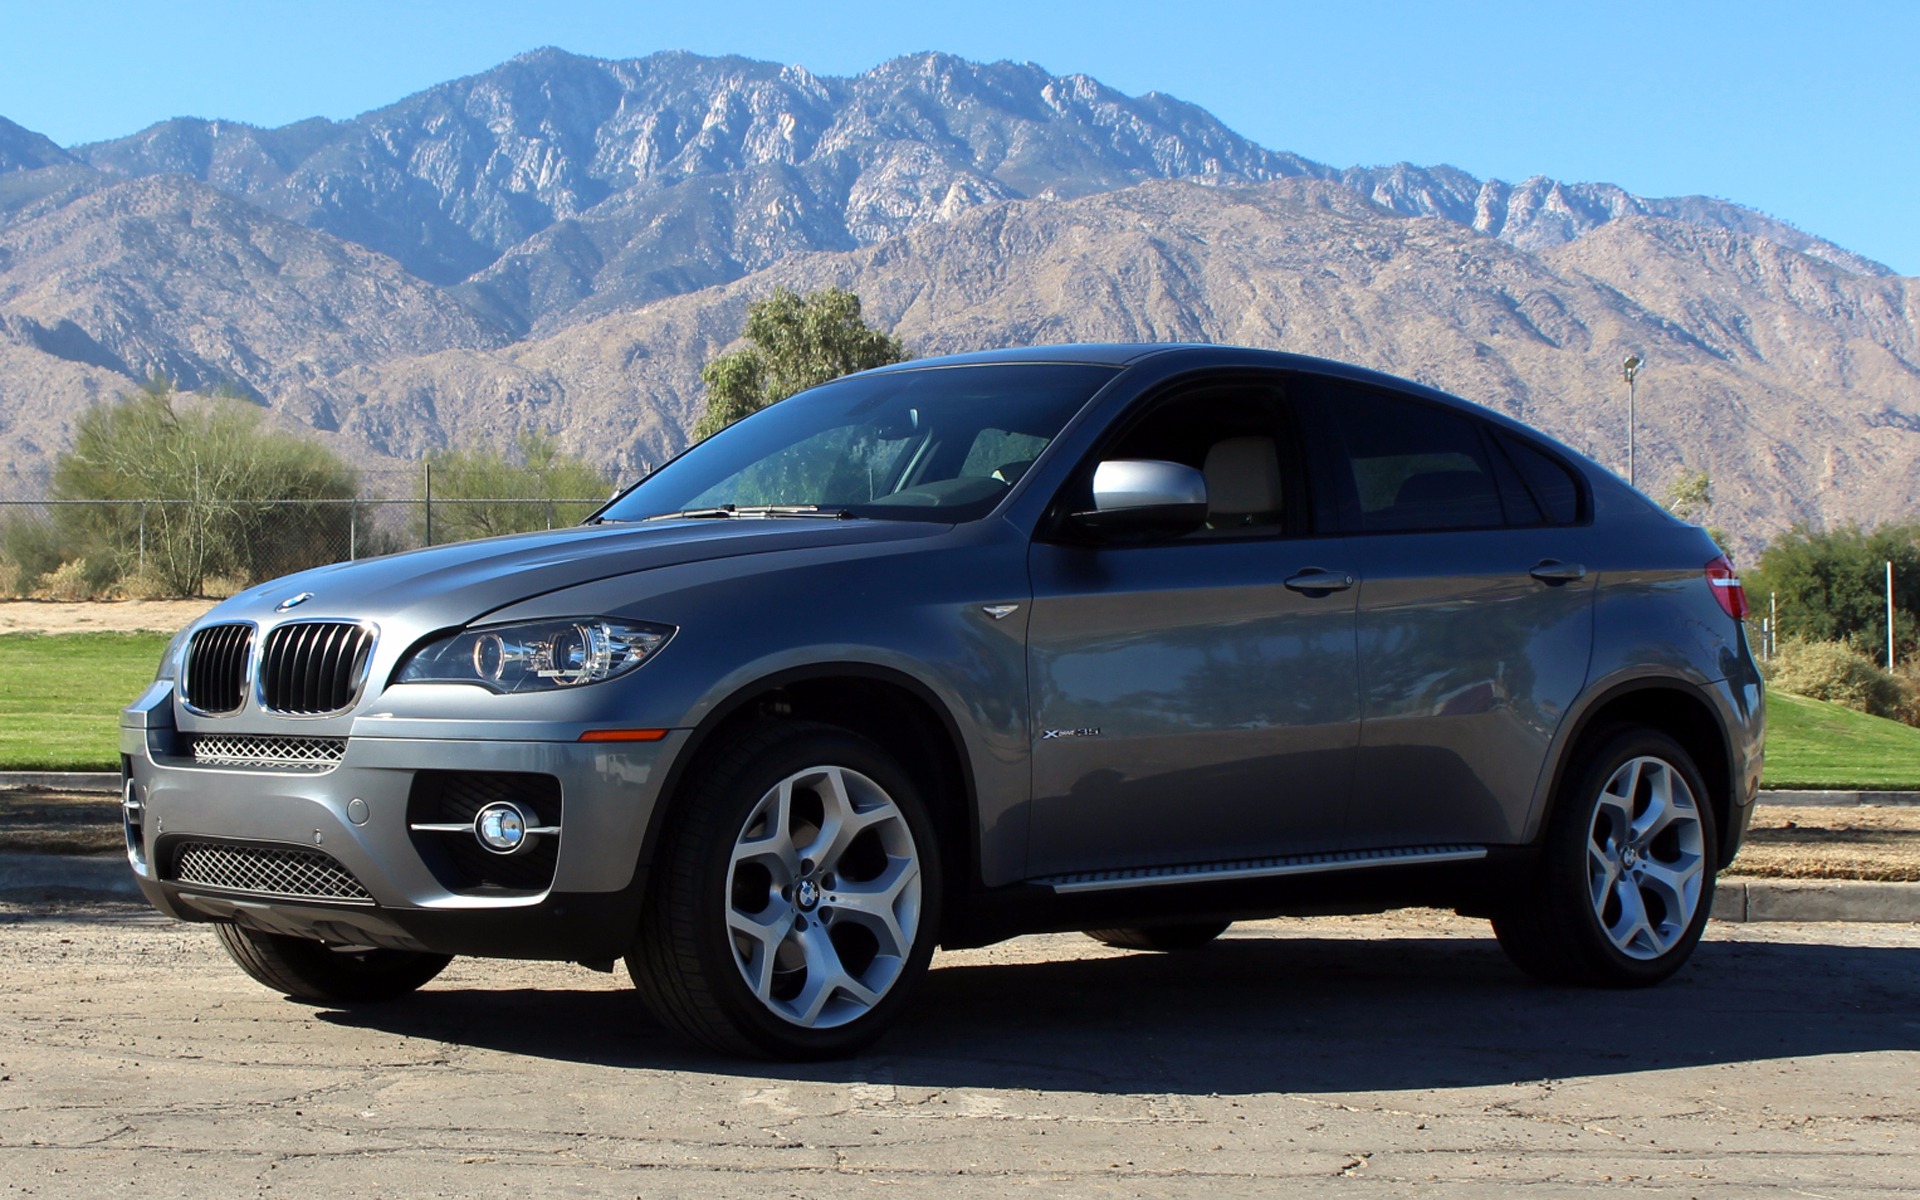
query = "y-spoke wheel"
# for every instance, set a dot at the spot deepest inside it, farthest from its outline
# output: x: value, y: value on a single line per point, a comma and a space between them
x: 823, y: 896
x: 1626, y: 868
x: 796, y: 896
x: 1646, y: 858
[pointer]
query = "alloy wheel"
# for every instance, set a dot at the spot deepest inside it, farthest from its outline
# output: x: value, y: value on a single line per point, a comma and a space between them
x: 1646, y: 860
x: 823, y: 896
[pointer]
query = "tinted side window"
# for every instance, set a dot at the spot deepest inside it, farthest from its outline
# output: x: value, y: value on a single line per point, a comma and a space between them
x: 1240, y: 435
x: 1414, y: 466
x: 1553, y: 486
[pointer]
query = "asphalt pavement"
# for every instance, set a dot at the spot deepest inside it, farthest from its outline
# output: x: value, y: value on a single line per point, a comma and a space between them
x: 1396, y: 1055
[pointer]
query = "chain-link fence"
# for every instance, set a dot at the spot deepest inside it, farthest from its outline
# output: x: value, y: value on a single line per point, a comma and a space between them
x: 62, y: 548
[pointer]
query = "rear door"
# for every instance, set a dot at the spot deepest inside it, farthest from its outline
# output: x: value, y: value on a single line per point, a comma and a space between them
x: 1194, y: 699
x: 1475, y: 615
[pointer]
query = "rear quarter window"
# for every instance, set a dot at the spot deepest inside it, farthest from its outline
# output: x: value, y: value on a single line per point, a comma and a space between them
x: 1553, y: 485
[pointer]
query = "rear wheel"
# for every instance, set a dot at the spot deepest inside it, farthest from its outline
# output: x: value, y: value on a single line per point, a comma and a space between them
x: 1165, y: 938
x: 1626, y: 872
x: 795, y: 899
x: 323, y: 974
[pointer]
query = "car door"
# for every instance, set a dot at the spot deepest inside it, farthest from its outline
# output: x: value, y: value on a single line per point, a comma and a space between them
x: 1475, y: 617
x: 1195, y: 697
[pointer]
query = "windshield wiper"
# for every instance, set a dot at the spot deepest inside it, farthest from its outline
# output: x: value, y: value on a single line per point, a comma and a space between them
x: 727, y: 511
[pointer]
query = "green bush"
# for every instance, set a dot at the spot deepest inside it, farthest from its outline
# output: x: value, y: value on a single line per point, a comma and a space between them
x: 1837, y: 672
x: 484, y: 493
x: 190, y: 493
x: 1831, y: 586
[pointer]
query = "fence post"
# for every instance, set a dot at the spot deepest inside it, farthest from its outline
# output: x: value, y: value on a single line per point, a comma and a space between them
x: 353, y: 528
x: 550, y: 515
x: 143, y: 539
x: 429, y: 501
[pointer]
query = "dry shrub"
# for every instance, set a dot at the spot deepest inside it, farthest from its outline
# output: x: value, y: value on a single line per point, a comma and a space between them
x: 143, y: 585
x: 1836, y: 671
x: 68, y: 581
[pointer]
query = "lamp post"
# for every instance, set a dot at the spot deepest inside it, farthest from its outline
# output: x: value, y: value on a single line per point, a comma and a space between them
x: 1629, y: 369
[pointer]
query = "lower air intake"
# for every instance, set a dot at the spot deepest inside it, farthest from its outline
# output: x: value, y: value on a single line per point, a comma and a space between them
x: 267, y: 871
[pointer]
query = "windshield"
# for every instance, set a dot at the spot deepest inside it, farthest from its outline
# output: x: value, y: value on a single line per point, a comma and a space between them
x: 939, y: 444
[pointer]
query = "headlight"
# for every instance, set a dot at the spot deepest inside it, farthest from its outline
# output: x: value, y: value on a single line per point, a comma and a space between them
x: 537, y: 655
x: 170, y: 658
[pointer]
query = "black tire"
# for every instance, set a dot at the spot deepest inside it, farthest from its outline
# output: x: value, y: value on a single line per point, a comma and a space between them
x: 686, y: 962
x: 1556, y: 931
x: 320, y: 974
x: 1164, y: 938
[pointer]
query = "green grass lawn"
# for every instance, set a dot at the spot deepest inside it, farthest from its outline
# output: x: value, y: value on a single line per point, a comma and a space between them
x: 1814, y: 744
x: 60, y: 700
x: 61, y: 696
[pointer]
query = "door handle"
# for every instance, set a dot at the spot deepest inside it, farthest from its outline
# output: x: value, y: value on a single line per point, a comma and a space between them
x: 1313, y: 579
x: 1552, y: 570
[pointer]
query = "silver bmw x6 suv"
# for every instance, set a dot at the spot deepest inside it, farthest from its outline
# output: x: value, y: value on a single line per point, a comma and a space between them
x: 1137, y: 640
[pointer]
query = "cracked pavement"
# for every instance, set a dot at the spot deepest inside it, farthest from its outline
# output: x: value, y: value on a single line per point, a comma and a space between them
x: 1393, y: 1055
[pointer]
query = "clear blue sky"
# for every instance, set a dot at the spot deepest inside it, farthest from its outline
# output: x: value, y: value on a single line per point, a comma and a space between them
x: 1807, y: 111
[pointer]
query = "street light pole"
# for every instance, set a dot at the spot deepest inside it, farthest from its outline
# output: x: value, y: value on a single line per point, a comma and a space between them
x: 1629, y: 369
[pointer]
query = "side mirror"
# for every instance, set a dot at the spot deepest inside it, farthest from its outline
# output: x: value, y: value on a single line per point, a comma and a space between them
x: 1146, y: 495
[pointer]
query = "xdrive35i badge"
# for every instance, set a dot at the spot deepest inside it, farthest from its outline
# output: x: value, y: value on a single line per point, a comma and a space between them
x: 1047, y: 735
x: 294, y: 601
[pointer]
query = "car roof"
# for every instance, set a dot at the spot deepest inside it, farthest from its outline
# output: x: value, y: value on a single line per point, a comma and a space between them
x: 1195, y: 354
x: 1177, y: 356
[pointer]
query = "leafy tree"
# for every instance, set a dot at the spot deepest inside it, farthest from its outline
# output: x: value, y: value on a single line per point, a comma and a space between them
x: 1831, y: 587
x: 204, y: 490
x: 1690, y: 496
x: 798, y: 342
x: 483, y: 492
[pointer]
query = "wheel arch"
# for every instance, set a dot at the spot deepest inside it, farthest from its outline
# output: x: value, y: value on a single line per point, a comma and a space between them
x: 1674, y: 707
x: 879, y: 702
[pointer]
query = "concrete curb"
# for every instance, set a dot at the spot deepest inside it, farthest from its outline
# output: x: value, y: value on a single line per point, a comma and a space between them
x: 1825, y: 799
x: 1743, y: 900
x: 99, y: 874
x: 62, y: 781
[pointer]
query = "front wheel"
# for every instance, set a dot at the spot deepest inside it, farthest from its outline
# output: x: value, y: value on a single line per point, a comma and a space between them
x: 322, y: 974
x: 795, y: 898
x: 1626, y: 874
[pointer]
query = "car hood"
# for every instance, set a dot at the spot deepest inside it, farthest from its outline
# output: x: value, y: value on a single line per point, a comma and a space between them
x: 445, y: 586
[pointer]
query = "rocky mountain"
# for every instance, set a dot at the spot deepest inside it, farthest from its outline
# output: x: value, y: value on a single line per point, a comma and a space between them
x: 1313, y: 267
x: 166, y: 274
x: 561, y: 242
x: 560, y: 187
x: 24, y: 150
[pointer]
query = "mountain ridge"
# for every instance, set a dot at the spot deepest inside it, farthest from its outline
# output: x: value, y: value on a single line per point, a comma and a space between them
x: 598, y: 228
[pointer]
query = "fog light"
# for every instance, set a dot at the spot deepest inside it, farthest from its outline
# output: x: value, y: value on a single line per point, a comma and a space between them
x: 501, y: 827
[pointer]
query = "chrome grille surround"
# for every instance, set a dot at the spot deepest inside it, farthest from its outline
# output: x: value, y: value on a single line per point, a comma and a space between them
x: 314, y: 668
x: 213, y: 679
x: 285, y: 871
x: 279, y: 752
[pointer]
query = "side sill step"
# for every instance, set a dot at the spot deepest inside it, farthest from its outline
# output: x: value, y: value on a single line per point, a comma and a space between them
x: 1257, y: 868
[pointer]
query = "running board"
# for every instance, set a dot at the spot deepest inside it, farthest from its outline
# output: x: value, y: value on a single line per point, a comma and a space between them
x: 1258, y: 868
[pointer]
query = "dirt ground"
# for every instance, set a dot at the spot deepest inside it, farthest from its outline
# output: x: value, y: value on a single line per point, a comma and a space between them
x: 97, y: 616
x: 1864, y: 842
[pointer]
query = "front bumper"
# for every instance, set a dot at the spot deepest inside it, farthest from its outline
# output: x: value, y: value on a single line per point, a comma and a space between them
x: 356, y: 814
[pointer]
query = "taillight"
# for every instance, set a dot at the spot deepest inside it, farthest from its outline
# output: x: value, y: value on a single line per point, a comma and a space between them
x: 1726, y: 588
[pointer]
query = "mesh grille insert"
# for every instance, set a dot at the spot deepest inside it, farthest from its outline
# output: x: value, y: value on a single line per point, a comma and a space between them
x: 267, y: 871
x: 280, y: 753
x: 216, y: 669
x: 313, y: 667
